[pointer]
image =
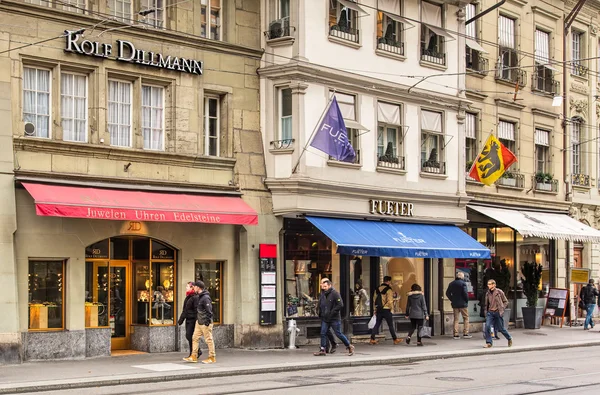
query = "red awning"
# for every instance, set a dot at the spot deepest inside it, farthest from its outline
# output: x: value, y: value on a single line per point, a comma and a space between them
x: 98, y: 203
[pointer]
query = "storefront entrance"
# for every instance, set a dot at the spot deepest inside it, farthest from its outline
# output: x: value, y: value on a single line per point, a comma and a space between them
x: 130, y: 281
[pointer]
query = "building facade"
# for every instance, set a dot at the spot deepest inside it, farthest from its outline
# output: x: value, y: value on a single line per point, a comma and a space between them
x: 132, y: 163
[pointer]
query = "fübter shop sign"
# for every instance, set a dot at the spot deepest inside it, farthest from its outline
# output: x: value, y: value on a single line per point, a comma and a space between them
x: 392, y: 208
x: 127, y: 52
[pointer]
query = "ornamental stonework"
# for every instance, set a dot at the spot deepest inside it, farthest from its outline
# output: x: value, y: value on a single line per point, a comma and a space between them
x: 579, y: 108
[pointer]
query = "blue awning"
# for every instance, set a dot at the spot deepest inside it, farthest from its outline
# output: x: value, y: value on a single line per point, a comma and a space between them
x: 393, y: 239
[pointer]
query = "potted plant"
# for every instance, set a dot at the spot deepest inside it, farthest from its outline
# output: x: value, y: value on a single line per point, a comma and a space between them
x: 508, y: 179
x: 503, y: 282
x: 468, y: 166
x: 543, y: 181
x: 532, y: 276
x: 389, y: 157
x: 431, y: 165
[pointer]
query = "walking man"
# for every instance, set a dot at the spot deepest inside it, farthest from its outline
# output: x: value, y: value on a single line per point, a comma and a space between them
x: 330, y: 306
x: 204, y: 325
x: 384, y: 301
x: 495, y: 303
x: 459, y: 298
x: 589, y: 295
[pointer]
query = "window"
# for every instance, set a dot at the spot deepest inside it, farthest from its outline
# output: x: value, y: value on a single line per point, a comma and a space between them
x: 153, y: 117
x: 211, y: 126
x: 73, y: 5
x: 73, y: 94
x: 156, y: 18
x: 96, y: 293
x: 210, y: 22
x: 283, y: 11
x: 36, y: 100
x: 404, y: 273
x: 471, y: 152
x: 507, y: 50
x: 119, y: 113
x: 506, y: 135
x: 46, y: 294
x: 432, y: 33
x: 46, y: 3
x: 577, y: 46
x: 121, y: 9
x: 542, y: 151
x: 285, y: 114
x: 432, y: 142
x: 543, y: 77
x: 211, y: 274
x: 343, y: 19
x: 389, y: 136
x: 390, y: 27
x: 576, y: 147
x: 474, y: 51
x: 347, y: 104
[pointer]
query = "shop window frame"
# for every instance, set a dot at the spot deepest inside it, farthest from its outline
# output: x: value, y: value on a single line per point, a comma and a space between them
x: 63, y: 293
x: 221, y: 264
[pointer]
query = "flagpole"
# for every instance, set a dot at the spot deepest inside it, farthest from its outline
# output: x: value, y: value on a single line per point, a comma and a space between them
x: 313, y: 132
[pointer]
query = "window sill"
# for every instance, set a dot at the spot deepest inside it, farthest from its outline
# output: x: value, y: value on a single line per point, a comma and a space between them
x: 473, y: 182
x: 347, y: 43
x: 337, y: 163
x: 540, y: 93
x: 391, y: 55
x: 46, y: 330
x: 507, y: 83
x: 499, y: 186
x: 282, y: 151
x: 581, y: 188
x: 579, y: 77
x: 545, y: 192
x: 281, y: 41
x: 432, y: 65
x: 388, y: 170
x: 436, y: 176
x: 476, y: 73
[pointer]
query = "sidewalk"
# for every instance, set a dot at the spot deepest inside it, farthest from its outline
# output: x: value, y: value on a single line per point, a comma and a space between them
x: 140, y: 368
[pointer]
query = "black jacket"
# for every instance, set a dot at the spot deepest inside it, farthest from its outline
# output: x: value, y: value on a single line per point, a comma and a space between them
x: 190, y: 308
x: 458, y: 294
x: 588, y: 294
x: 205, y: 312
x: 330, y: 306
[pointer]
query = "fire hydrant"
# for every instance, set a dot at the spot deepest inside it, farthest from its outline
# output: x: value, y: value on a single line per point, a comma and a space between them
x: 292, y: 330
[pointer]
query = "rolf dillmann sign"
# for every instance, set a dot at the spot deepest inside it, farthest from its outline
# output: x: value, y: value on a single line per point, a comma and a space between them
x: 127, y: 52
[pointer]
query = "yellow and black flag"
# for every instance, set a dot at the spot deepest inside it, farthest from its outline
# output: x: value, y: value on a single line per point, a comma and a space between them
x: 492, y: 162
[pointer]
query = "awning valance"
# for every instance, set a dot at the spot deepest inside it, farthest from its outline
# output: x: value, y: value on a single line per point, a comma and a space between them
x: 393, y: 239
x: 539, y: 224
x: 113, y: 204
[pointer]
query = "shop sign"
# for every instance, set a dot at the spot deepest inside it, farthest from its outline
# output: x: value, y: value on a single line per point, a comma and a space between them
x: 127, y: 52
x: 389, y: 207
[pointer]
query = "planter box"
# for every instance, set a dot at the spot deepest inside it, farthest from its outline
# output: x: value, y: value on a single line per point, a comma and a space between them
x: 532, y: 317
x: 434, y: 170
x: 542, y: 186
x: 509, y: 182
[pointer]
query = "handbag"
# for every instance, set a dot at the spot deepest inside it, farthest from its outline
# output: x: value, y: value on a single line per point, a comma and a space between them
x: 582, y: 305
x: 425, y: 330
x: 372, y: 322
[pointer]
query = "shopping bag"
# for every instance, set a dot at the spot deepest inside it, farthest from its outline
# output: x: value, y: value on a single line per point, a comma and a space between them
x: 425, y: 330
x: 372, y: 322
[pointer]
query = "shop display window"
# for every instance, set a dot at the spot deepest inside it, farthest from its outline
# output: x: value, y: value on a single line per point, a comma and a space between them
x: 96, y: 294
x: 361, y: 293
x: 46, y: 295
x: 211, y: 274
x: 162, y: 298
x: 404, y: 272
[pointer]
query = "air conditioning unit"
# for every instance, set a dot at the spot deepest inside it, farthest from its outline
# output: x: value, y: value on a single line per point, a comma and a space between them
x: 279, y: 27
x: 29, y: 129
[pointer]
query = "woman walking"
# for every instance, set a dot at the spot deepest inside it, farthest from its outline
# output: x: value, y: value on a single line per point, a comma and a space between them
x: 416, y: 310
x: 189, y: 313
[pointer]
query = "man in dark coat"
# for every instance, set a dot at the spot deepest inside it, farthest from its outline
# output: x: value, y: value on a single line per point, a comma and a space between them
x: 459, y: 298
x: 330, y: 306
x: 589, y: 296
x: 204, y: 325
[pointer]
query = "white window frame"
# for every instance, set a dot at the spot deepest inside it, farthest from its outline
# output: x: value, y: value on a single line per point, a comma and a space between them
x: 130, y: 112
x: 207, y: 4
x: 281, y: 116
x: 438, y: 135
x: 577, y: 164
x: 353, y: 134
x: 157, y: 19
x: 41, y: 3
x: 471, y: 30
x: 207, y: 137
x: 279, y: 9
x: 50, y: 107
x: 511, y: 144
x: 117, y: 8
x: 151, y: 129
x: 382, y: 135
x: 471, y: 141
x: 78, y: 6
x: 542, y: 148
x: 398, y: 28
x: 71, y: 74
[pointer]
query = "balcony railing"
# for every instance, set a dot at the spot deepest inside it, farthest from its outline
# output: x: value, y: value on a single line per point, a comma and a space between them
x: 512, y: 179
x: 476, y: 62
x: 545, y: 186
x: 433, y: 167
x: 582, y: 180
x: 433, y: 56
x: 389, y: 45
x: 345, y: 33
x: 282, y: 144
x: 279, y: 28
x: 356, y: 159
x: 393, y: 162
x: 543, y: 81
x: 579, y: 70
x: 512, y: 75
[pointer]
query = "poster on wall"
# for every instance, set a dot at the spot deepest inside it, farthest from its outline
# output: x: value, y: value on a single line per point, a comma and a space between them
x: 268, y: 284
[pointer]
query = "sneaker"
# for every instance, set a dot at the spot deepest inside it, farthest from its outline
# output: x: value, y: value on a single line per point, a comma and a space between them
x: 467, y: 336
x: 397, y: 341
x: 456, y: 337
x: 510, y: 342
x: 320, y: 353
x: 209, y: 360
x: 333, y: 349
x: 488, y: 345
x: 419, y: 344
x: 373, y: 342
x: 191, y: 358
x: 408, y: 340
x: 350, y: 350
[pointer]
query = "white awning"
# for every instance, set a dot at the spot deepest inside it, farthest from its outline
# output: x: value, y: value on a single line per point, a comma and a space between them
x: 398, y: 18
x: 474, y: 45
x: 353, y: 6
x: 351, y: 124
x: 440, y: 32
x: 543, y: 225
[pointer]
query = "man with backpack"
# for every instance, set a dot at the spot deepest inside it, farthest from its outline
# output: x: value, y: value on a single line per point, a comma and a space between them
x: 384, y: 302
x: 589, y: 295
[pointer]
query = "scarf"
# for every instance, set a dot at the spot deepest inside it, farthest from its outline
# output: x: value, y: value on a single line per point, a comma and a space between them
x: 190, y: 292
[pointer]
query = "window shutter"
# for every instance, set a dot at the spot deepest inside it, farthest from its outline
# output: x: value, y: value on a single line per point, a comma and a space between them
x: 542, y: 137
x: 506, y: 32
x: 470, y: 29
x: 471, y: 126
x: 506, y: 130
x: 542, y: 46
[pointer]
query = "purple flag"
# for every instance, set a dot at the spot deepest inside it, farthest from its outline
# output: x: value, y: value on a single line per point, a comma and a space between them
x: 332, y: 136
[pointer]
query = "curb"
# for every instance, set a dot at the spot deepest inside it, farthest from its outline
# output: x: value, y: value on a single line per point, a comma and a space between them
x: 105, y: 381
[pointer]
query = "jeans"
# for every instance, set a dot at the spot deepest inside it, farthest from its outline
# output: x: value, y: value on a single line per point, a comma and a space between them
x: 588, y: 318
x: 465, y: 315
x: 384, y: 314
x: 416, y: 323
x: 337, y: 329
x: 494, y: 319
